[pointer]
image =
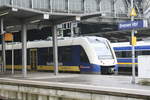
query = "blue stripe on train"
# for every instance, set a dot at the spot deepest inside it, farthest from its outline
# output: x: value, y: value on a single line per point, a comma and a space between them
x: 84, y: 67
x: 126, y: 60
x: 129, y: 48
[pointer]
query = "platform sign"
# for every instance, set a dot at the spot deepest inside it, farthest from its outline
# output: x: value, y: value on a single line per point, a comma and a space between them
x: 132, y: 25
x: 8, y: 37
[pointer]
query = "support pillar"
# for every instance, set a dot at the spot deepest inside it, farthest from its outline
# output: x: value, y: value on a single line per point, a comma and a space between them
x: 98, y: 5
x: 3, y: 47
x: 83, y: 6
x: 24, y: 49
x: 113, y: 8
x: 55, y: 49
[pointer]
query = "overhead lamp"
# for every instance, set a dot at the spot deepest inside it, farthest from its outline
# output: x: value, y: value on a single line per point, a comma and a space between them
x: 2, y: 14
x: 78, y: 18
x: 15, y: 31
x: 8, y: 27
x: 35, y: 21
x: 14, y: 9
x: 46, y: 16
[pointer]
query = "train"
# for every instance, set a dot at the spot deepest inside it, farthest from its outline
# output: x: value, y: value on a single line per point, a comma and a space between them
x: 85, y: 54
x: 124, y: 54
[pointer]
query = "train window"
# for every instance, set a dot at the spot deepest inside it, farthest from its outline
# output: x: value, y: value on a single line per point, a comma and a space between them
x: 42, y: 56
x: 60, y: 55
x: 0, y: 57
x: 118, y: 54
x: 126, y: 54
x: 83, y: 56
x: 50, y: 55
x: 123, y: 54
x: 28, y: 57
x: 137, y: 53
x: 67, y: 54
x: 17, y: 55
x: 103, y: 51
x: 145, y: 52
x: 8, y: 57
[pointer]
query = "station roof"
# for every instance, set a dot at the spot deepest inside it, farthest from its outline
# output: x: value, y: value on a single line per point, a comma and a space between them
x: 16, y: 15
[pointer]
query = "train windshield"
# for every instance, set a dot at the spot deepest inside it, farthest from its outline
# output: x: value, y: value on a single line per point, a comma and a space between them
x: 102, y: 49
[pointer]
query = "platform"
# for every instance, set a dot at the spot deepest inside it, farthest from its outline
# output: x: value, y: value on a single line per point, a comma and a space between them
x: 118, y: 86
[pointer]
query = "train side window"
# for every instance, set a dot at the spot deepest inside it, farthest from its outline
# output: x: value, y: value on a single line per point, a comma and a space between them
x: 126, y: 54
x: 145, y: 52
x: 17, y: 55
x: 60, y: 54
x: 42, y: 56
x: 8, y: 57
x: 50, y: 55
x: 137, y: 53
x: 66, y: 54
x: 28, y: 57
x: 118, y: 54
x: 83, y: 56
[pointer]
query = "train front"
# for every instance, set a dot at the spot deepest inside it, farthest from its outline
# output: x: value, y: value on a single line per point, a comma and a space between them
x: 101, y: 56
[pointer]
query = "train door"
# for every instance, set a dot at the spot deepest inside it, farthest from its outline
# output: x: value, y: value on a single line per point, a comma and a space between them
x: 33, y: 59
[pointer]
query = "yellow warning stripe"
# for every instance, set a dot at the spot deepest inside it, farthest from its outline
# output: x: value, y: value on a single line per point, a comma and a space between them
x: 47, y: 68
x: 127, y: 63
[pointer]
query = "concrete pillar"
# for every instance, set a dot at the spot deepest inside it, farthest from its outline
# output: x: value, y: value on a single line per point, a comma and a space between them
x: 98, y: 5
x: 11, y: 2
x: 19, y: 95
x: 51, y: 5
x: 83, y: 5
x: 55, y: 49
x: 24, y: 49
x: 3, y: 47
x: 31, y: 4
x: 40, y: 97
x: 67, y: 5
x: 113, y: 7
x: 29, y: 96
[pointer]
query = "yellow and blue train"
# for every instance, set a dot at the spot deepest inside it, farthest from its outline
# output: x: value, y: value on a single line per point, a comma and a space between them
x: 88, y: 54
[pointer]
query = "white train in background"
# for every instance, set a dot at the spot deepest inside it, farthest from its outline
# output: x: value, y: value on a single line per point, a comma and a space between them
x: 124, y: 55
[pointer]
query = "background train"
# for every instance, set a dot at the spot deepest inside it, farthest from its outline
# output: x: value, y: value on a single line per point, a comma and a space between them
x: 124, y: 54
x: 80, y: 54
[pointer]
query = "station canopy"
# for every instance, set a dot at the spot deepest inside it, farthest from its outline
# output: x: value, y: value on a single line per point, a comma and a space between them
x: 17, y: 15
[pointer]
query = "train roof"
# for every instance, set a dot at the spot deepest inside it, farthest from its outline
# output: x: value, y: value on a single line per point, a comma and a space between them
x: 125, y: 44
x: 62, y: 41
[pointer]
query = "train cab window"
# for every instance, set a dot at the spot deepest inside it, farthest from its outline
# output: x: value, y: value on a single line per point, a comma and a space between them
x: 83, y: 56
